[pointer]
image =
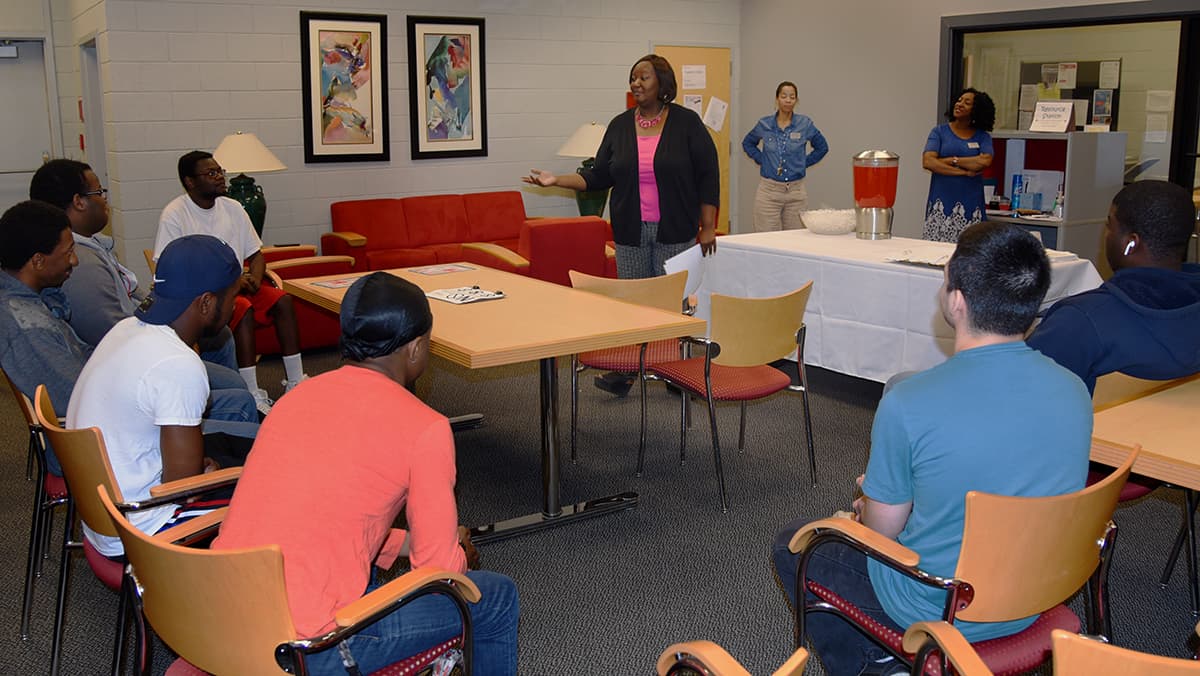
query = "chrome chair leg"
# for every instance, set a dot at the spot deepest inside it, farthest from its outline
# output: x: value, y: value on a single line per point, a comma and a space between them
x: 64, y: 570
x: 642, y: 439
x: 33, y: 562
x: 742, y: 430
x: 33, y: 448
x: 683, y: 423
x: 716, y: 444
x: 575, y: 403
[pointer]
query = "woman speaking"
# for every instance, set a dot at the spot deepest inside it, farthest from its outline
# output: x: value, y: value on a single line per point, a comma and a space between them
x: 661, y: 164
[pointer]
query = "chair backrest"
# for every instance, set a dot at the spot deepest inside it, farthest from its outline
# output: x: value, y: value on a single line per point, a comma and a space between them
x: 664, y: 292
x: 23, y: 403
x: 149, y: 254
x: 757, y: 331
x: 709, y: 659
x: 312, y: 266
x: 272, y: 254
x: 555, y: 246
x: 1026, y: 555
x: 223, y: 611
x: 1076, y: 655
x: 84, y: 463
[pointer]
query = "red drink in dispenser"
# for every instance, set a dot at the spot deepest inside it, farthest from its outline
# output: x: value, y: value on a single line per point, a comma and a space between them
x: 875, y: 176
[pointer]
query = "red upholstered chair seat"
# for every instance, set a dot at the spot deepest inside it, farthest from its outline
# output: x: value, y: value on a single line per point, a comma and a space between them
x: 1014, y: 654
x: 56, y: 487
x: 729, y: 383
x: 409, y: 667
x: 625, y: 358
x: 106, y: 569
x: 1136, y: 487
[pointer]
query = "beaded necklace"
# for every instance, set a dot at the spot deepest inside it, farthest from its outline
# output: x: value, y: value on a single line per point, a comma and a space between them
x: 645, y: 123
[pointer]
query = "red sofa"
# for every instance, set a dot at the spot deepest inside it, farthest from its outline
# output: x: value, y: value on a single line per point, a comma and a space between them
x: 394, y: 233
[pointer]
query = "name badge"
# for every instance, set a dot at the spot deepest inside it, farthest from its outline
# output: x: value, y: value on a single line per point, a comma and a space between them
x: 972, y: 144
x: 795, y: 136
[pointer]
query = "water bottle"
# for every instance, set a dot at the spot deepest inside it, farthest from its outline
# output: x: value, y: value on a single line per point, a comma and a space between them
x: 1018, y: 187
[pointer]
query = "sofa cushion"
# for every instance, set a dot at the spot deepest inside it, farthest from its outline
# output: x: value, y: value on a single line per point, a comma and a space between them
x: 494, y: 216
x: 380, y: 220
x: 436, y: 219
x: 400, y: 258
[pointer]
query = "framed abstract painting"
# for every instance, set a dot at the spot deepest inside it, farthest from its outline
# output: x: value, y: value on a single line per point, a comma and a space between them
x: 343, y: 66
x: 447, y: 96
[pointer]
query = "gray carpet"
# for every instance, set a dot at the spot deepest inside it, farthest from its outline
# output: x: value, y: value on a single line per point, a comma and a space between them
x: 607, y: 595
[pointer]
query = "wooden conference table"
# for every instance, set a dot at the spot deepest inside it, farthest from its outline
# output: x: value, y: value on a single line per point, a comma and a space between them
x: 867, y: 317
x: 1164, y: 421
x: 535, y: 321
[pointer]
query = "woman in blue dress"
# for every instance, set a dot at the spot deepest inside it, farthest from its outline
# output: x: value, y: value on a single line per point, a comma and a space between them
x: 956, y: 154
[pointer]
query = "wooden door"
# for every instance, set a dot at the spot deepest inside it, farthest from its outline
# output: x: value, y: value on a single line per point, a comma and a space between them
x: 717, y: 64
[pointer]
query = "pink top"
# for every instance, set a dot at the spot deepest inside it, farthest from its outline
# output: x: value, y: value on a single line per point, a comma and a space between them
x: 327, y: 491
x: 647, y: 186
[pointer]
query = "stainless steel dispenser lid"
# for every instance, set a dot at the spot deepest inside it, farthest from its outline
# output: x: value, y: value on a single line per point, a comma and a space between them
x: 876, y: 158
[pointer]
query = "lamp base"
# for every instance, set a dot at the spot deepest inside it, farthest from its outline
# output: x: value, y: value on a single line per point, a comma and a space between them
x: 243, y: 189
x: 591, y: 202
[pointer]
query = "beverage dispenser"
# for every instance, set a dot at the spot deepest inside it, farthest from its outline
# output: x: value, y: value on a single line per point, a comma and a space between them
x: 875, y: 174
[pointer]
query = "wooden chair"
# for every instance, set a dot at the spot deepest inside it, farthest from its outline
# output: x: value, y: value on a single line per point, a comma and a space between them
x: 84, y: 460
x: 150, y: 262
x: 50, y: 491
x: 239, y: 598
x: 705, y: 658
x: 1019, y: 557
x: 746, y: 334
x: 664, y: 293
x: 1074, y: 655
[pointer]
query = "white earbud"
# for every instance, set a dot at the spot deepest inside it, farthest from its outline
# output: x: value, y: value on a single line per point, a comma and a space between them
x: 1128, y: 248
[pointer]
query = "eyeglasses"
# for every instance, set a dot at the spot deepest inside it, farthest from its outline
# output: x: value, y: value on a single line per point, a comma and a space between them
x: 212, y: 173
x: 102, y: 192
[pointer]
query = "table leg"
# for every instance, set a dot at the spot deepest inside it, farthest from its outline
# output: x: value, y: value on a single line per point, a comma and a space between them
x: 1193, y: 582
x: 553, y: 512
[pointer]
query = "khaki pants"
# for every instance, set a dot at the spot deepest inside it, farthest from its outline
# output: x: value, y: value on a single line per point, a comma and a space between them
x: 777, y: 206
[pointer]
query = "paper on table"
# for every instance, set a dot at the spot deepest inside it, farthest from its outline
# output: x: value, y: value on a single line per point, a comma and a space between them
x: 694, y: 262
x: 937, y: 256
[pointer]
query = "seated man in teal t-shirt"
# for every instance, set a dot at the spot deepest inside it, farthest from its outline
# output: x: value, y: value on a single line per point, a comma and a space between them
x: 997, y: 417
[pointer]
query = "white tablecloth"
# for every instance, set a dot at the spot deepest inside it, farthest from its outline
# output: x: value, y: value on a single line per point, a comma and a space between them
x: 866, y: 317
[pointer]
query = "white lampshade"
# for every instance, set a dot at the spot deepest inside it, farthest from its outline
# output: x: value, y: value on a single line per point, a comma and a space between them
x: 244, y: 154
x: 584, y: 142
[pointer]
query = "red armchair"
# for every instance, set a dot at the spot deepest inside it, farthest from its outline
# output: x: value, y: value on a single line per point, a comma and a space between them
x: 549, y: 248
x: 318, y: 327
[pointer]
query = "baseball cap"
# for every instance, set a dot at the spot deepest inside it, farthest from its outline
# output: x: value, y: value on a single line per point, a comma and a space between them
x: 188, y: 267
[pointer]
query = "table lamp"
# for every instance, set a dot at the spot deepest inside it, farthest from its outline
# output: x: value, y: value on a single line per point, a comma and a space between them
x: 584, y: 143
x: 240, y: 153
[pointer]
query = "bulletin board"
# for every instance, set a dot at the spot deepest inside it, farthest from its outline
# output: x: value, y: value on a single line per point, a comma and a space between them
x: 1089, y: 76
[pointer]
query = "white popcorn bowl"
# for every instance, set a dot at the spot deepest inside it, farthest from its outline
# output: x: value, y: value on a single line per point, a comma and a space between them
x: 829, y: 221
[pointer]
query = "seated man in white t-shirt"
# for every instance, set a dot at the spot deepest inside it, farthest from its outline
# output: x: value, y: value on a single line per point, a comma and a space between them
x: 204, y: 209
x: 144, y: 386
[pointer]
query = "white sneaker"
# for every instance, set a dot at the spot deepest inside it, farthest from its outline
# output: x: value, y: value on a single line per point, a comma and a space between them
x: 262, y: 401
x: 289, y: 384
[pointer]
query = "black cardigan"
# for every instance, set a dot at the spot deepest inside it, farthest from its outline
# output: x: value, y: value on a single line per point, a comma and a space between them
x: 685, y: 168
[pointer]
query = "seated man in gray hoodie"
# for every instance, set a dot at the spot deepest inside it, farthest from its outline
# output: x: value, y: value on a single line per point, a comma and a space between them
x: 102, y: 291
x: 1145, y: 320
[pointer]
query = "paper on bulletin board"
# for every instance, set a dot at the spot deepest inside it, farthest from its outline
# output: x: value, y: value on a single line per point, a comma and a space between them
x: 695, y: 77
x: 1066, y: 75
x: 694, y: 102
x: 1102, y: 102
x: 1029, y: 97
x: 1160, y: 101
x: 714, y: 117
x: 1110, y: 74
x: 1081, y: 110
x: 1157, y: 128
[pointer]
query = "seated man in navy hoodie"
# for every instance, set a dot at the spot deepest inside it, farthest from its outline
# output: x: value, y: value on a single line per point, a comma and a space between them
x: 1145, y: 320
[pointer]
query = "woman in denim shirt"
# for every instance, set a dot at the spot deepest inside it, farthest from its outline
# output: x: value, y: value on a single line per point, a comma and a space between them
x: 783, y: 161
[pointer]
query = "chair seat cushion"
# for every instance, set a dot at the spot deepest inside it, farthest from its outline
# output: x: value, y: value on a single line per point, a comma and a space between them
x: 730, y: 383
x: 625, y: 358
x: 1013, y: 654
x: 108, y: 571
x: 56, y: 487
x: 409, y: 667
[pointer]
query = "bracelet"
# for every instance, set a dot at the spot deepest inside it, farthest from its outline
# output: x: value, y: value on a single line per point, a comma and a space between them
x: 954, y: 161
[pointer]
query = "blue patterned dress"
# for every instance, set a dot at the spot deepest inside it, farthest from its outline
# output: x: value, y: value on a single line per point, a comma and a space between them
x: 954, y: 201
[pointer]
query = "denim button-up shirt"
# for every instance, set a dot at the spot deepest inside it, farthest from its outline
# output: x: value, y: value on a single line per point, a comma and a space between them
x: 784, y: 155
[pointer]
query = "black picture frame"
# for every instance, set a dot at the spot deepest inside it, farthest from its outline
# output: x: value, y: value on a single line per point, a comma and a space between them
x: 344, y: 121
x: 447, y: 69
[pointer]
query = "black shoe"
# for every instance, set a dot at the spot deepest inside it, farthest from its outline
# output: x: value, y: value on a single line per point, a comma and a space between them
x: 614, y: 383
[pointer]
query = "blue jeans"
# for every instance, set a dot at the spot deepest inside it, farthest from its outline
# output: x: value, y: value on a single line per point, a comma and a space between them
x: 431, y: 620
x: 231, y: 411
x: 842, y: 570
x: 219, y: 349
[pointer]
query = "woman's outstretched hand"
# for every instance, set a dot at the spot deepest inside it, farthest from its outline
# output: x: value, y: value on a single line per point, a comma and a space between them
x: 539, y: 177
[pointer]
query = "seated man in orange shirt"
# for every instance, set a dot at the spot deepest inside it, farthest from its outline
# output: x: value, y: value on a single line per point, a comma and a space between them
x: 326, y: 488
